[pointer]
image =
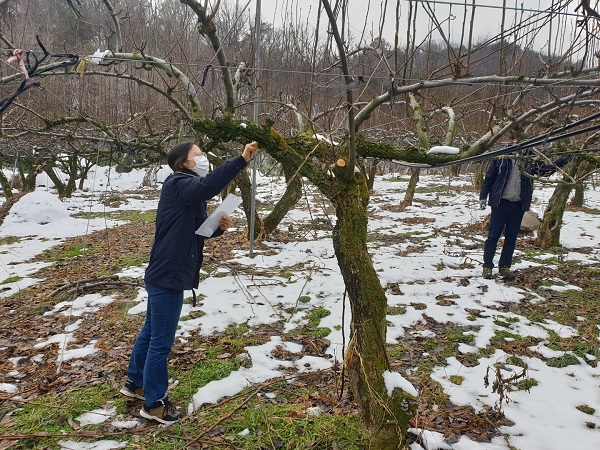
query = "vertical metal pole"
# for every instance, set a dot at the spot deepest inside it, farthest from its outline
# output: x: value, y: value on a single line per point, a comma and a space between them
x: 256, y: 96
x: 550, y: 40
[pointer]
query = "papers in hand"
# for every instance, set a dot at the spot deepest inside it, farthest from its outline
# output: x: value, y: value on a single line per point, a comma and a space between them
x: 211, y: 223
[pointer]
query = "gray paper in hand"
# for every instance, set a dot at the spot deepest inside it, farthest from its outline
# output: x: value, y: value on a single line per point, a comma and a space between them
x: 211, y: 223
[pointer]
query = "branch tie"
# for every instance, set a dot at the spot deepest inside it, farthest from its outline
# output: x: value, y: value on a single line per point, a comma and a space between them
x: 204, y: 75
x: 18, y: 56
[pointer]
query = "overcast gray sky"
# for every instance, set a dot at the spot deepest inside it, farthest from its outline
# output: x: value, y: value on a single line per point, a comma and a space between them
x: 450, y: 12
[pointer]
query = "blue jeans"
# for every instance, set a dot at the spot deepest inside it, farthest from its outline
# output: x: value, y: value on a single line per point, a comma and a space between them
x: 148, y: 362
x: 507, y: 216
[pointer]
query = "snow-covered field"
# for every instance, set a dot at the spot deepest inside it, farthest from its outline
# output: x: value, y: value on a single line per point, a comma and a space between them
x: 545, y: 417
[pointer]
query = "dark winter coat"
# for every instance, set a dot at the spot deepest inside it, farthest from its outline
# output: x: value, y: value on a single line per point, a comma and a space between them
x: 498, y: 174
x: 176, y: 254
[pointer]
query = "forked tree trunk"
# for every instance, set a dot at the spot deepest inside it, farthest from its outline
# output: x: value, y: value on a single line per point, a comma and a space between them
x: 289, y: 199
x: 409, y: 195
x: 370, y: 169
x: 28, y: 177
x: 578, y: 196
x: 383, y: 418
x: 549, y: 232
x: 83, y: 174
x: 584, y: 168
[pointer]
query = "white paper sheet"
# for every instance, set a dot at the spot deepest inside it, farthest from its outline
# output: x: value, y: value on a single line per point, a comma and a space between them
x: 226, y: 207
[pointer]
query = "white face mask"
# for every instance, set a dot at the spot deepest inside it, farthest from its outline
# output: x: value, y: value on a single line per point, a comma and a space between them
x: 201, y: 167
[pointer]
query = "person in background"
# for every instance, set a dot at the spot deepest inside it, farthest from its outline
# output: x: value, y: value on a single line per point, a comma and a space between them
x: 175, y: 260
x: 510, y: 192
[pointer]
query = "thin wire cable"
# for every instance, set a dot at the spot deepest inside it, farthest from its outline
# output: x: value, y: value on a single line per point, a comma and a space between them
x: 559, y: 83
x: 322, y: 74
x: 486, y: 155
x: 545, y: 138
x: 483, y: 5
x: 527, y: 144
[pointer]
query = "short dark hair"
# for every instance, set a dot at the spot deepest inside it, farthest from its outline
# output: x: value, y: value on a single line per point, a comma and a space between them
x: 179, y: 154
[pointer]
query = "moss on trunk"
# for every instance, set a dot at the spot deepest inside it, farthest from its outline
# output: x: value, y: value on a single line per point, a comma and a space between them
x: 383, y: 418
x: 578, y: 196
x: 549, y: 232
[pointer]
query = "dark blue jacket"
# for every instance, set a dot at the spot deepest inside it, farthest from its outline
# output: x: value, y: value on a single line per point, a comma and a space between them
x: 499, y: 171
x: 176, y: 254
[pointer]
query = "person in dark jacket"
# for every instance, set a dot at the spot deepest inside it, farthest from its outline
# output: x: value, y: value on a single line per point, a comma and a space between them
x: 174, y: 266
x: 510, y: 193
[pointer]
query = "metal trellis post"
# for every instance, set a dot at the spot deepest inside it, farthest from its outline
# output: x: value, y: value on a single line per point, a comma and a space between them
x: 256, y: 96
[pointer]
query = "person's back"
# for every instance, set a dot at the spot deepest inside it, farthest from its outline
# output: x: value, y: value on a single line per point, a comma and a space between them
x: 175, y: 261
x: 510, y: 193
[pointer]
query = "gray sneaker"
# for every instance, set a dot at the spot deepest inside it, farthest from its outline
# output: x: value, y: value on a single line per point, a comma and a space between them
x: 162, y: 411
x: 487, y: 273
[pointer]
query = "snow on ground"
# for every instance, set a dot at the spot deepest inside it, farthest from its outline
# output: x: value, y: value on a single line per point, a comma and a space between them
x: 42, y: 214
x: 545, y: 417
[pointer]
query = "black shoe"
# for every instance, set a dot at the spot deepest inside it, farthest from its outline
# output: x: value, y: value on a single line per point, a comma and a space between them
x: 487, y: 273
x: 131, y: 390
x: 162, y: 411
x: 505, y: 272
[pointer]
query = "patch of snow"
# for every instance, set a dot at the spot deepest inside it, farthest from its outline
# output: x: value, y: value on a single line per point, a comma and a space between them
x: 444, y: 149
x: 96, y: 416
x: 7, y: 387
x: 394, y: 380
x: 432, y: 440
x: 98, y: 445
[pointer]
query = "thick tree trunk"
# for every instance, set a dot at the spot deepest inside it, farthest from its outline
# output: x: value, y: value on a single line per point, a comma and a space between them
x: 58, y: 183
x: 549, y: 232
x: 409, y: 195
x: 28, y: 176
x: 578, y: 196
x: 383, y: 418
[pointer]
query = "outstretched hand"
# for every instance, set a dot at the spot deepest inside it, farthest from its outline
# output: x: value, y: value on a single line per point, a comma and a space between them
x: 250, y: 150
